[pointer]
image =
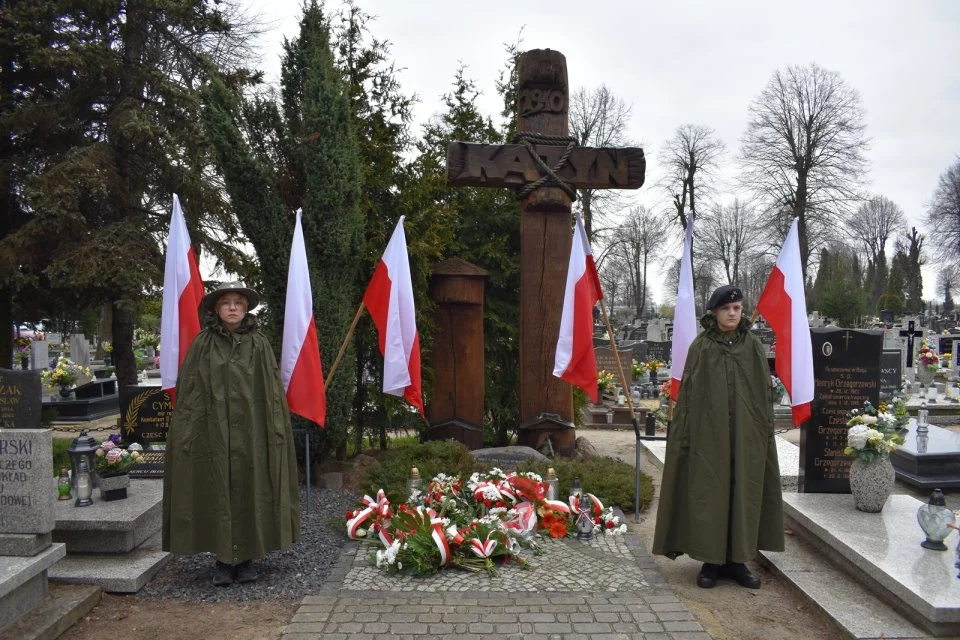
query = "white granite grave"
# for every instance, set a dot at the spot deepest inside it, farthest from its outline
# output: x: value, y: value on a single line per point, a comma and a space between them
x: 882, y: 551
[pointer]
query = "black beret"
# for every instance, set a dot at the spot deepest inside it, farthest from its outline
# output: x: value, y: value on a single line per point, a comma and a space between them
x: 725, y: 295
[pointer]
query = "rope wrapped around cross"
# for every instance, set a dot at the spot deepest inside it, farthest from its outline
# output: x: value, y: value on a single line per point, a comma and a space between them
x: 548, y: 177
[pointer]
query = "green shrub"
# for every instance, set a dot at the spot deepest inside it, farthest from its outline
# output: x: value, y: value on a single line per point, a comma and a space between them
x: 430, y: 458
x: 61, y: 458
x: 612, y: 481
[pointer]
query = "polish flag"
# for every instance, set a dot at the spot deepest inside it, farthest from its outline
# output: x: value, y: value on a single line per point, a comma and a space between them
x: 784, y: 306
x: 182, y: 294
x: 300, y: 368
x: 574, y: 360
x: 684, y: 315
x: 389, y: 298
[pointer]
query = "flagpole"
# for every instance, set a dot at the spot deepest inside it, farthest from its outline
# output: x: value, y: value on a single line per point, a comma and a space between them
x: 343, y: 347
x: 616, y: 357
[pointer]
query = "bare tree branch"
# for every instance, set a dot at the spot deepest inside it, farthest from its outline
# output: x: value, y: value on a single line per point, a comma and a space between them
x: 943, y: 215
x: 804, y: 147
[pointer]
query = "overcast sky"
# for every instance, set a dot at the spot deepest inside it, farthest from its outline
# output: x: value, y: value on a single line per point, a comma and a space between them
x: 701, y: 63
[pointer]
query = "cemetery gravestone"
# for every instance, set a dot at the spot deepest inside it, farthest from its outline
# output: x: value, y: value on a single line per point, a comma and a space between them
x: 910, y: 346
x: 767, y: 338
x: 607, y: 362
x: 20, y: 399
x: 145, y: 414
x: 955, y: 362
x: 546, y: 167
x: 27, y: 486
x: 659, y: 351
x: 80, y: 349
x: 40, y: 354
x: 891, y: 340
x: 891, y: 375
x: 846, y: 371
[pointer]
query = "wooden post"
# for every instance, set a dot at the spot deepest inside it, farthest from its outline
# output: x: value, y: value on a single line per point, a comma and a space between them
x: 546, y: 402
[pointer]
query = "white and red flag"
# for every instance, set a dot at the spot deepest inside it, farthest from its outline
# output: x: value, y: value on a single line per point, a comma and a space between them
x: 575, y: 361
x: 182, y: 294
x: 684, y: 315
x: 300, y: 368
x: 784, y: 306
x: 389, y: 298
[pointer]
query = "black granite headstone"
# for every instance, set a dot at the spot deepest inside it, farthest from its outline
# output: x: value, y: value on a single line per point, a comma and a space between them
x: 945, y: 343
x: 846, y: 371
x: 145, y: 414
x: 20, y: 399
x: 658, y: 351
x: 891, y: 373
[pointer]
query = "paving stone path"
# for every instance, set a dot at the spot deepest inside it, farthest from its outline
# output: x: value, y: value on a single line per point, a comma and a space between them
x: 607, y: 588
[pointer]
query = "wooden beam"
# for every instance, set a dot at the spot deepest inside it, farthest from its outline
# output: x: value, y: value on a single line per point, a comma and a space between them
x: 491, y: 165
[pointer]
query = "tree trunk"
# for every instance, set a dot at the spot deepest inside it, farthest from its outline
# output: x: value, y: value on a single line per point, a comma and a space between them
x: 799, y: 211
x: 122, y: 329
x: 6, y: 328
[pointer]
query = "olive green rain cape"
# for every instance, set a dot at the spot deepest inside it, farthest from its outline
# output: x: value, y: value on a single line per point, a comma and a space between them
x: 230, y: 481
x: 720, y: 500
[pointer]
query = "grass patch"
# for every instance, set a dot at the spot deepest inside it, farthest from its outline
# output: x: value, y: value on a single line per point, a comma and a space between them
x: 61, y: 458
x: 610, y: 480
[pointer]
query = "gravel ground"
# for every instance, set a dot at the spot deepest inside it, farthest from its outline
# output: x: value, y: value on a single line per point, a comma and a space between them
x: 283, y: 575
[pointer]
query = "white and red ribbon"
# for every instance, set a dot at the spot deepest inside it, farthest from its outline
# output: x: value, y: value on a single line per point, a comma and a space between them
x: 557, y: 505
x: 441, y: 542
x: 483, y: 549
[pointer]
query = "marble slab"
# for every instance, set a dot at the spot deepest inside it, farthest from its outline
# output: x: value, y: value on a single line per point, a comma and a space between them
x: 845, y: 601
x: 928, y: 460
x: 883, y: 551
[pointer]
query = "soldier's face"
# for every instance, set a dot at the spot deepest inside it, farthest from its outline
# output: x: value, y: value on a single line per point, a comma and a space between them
x: 231, y: 307
x: 728, y: 316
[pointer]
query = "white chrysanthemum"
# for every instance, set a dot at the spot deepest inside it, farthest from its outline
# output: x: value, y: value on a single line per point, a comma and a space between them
x: 491, y: 493
x: 533, y: 476
x: 498, y: 511
x: 392, y: 551
x: 857, y: 436
x: 622, y: 528
x: 415, y: 496
x: 869, y: 419
x: 497, y: 472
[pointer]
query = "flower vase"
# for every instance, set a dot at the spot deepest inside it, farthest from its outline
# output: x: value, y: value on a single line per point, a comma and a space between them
x: 24, y: 362
x: 653, y: 376
x: 871, y: 483
x: 65, y: 390
x: 925, y: 375
x: 114, y: 487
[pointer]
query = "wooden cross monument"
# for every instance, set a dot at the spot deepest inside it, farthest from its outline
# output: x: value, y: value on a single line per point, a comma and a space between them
x: 546, y: 168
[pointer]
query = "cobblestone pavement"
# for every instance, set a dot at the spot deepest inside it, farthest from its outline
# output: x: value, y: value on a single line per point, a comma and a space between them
x: 608, y: 588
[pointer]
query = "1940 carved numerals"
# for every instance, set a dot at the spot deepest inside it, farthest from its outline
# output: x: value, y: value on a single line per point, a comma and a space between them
x: 534, y: 101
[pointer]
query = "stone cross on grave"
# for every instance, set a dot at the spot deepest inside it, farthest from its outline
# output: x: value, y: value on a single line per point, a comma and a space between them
x: 546, y: 168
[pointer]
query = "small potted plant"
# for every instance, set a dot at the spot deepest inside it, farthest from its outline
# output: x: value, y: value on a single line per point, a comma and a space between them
x: 636, y: 370
x: 107, y: 352
x: 64, y: 375
x: 22, y: 345
x: 112, y: 464
x: 653, y: 366
x: 604, y: 382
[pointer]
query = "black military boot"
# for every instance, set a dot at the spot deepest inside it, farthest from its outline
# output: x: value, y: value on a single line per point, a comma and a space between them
x: 708, y: 576
x: 742, y: 575
x: 222, y: 574
x: 246, y: 572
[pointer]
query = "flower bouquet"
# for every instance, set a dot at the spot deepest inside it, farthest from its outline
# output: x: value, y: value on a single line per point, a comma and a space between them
x: 874, y: 434
x: 469, y: 524
x: 111, y: 460
x: 64, y: 374
x: 604, y: 381
x: 654, y: 365
x: 927, y: 357
x: 637, y: 368
x: 22, y: 344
